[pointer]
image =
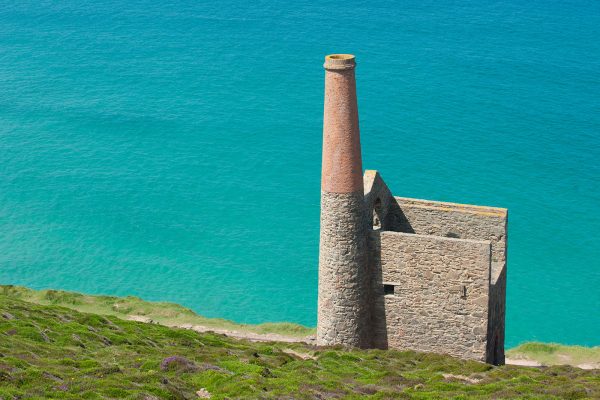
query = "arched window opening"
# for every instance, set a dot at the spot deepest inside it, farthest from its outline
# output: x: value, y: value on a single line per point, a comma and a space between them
x: 377, y: 214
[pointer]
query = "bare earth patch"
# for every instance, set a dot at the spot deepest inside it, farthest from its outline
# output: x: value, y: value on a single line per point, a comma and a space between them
x: 522, y: 362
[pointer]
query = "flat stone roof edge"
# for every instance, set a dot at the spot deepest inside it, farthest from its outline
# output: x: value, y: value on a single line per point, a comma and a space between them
x: 449, y: 206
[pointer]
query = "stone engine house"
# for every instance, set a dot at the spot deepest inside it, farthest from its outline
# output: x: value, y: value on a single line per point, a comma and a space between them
x: 396, y: 272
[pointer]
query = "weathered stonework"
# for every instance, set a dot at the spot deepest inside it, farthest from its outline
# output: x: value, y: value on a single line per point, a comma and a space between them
x: 440, y: 294
x: 397, y: 272
x: 465, y: 222
x: 428, y: 250
x: 343, y: 308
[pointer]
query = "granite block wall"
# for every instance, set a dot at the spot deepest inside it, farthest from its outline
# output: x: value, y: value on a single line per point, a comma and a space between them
x: 454, y: 220
x: 429, y: 222
x: 464, y: 222
x: 430, y: 293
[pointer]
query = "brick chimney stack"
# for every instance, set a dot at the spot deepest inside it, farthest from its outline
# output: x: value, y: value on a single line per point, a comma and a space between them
x: 342, y: 310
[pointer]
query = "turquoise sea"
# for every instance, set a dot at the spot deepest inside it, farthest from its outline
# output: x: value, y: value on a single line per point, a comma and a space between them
x: 171, y: 149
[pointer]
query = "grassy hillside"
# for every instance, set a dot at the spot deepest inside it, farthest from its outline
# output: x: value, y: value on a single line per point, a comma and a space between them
x: 169, y: 314
x: 557, y: 354
x: 48, y: 351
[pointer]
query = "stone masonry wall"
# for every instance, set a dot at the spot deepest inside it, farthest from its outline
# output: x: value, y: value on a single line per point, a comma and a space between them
x: 465, y: 222
x: 462, y: 221
x: 343, y: 308
x: 440, y: 299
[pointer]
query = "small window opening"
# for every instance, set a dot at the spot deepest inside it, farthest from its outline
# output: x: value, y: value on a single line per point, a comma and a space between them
x: 453, y: 235
x: 388, y: 289
x: 463, y: 292
x: 377, y: 214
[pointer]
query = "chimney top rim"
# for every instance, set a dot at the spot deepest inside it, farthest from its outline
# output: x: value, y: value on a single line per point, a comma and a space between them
x: 340, y: 61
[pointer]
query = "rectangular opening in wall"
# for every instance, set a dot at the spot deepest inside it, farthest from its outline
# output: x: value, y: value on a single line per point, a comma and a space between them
x: 388, y: 289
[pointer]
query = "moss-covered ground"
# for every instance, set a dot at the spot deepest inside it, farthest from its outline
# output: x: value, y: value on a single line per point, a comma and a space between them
x: 49, y: 351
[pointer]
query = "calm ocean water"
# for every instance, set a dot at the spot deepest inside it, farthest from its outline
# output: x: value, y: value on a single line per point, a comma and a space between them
x: 171, y: 150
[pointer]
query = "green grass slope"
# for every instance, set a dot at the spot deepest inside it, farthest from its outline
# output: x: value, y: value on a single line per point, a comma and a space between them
x: 169, y: 314
x: 48, y: 351
x: 557, y: 354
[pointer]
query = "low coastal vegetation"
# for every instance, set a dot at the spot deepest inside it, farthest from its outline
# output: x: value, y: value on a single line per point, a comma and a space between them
x: 557, y: 354
x: 130, y: 307
x: 175, y: 315
x: 50, y: 351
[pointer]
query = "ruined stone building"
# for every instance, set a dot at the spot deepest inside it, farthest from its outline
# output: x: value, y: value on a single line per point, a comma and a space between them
x: 396, y: 272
